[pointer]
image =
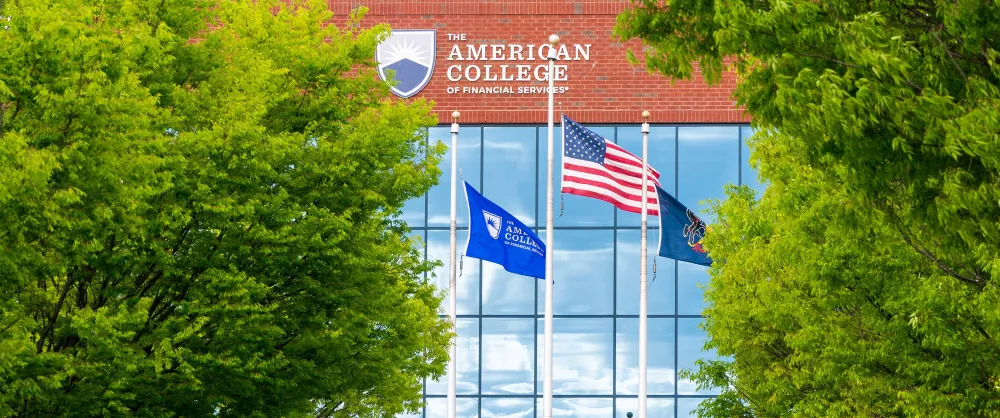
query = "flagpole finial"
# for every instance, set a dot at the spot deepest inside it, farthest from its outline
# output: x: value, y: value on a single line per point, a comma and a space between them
x: 645, y: 114
x: 553, y: 39
x: 455, y: 115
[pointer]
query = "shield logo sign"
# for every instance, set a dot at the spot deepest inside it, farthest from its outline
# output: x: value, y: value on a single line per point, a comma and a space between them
x: 409, y: 56
x: 492, y: 224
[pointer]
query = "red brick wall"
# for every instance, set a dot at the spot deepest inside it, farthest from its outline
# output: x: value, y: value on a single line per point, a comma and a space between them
x: 605, y: 89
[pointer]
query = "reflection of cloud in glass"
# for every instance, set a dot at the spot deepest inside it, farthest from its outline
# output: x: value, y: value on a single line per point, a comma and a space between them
x: 655, y: 407
x: 468, y: 361
x: 583, y: 267
x: 508, y: 408
x: 582, y: 408
x: 508, y: 355
x: 581, y: 357
x: 690, y: 348
x: 465, y: 408
x: 507, y: 293
x: 467, y: 282
x: 660, y: 289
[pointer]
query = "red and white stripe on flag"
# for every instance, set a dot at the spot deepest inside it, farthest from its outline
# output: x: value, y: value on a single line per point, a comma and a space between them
x: 617, y: 181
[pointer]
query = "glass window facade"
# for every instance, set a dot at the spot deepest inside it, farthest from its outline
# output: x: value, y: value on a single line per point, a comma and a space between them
x: 596, y: 327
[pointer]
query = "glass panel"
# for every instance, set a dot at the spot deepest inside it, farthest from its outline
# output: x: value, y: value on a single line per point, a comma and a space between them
x: 655, y: 407
x: 708, y: 159
x: 509, y: 170
x: 468, y: 362
x: 662, y: 157
x: 576, y: 210
x: 506, y: 293
x: 689, y: 347
x: 464, y: 408
x: 691, y: 280
x: 748, y: 173
x: 413, y: 212
x: 581, y: 357
x: 467, y: 283
x: 509, y: 407
x: 508, y: 356
x: 583, y: 269
x: 660, y: 286
x: 470, y: 164
x: 659, y: 358
x: 686, y: 407
x: 580, y: 408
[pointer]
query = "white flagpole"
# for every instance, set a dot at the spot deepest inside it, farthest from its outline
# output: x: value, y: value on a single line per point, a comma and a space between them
x: 452, y: 276
x: 643, y: 329
x: 549, y: 249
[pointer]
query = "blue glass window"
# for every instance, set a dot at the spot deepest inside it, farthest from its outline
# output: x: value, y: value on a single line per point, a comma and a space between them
x: 468, y: 362
x: 508, y: 364
x: 583, y: 268
x: 509, y: 170
x: 467, y: 282
x: 660, y: 283
x: 689, y: 349
x: 662, y: 157
x: 464, y: 408
x: 470, y: 164
x: 582, y: 356
x: 659, y: 357
x: 655, y: 407
x: 509, y: 407
x: 707, y: 160
x: 686, y: 407
x: 579, y: 407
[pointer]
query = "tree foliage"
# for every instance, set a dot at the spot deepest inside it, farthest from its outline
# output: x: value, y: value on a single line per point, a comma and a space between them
x: 863, y: 282
x: 198, y: 214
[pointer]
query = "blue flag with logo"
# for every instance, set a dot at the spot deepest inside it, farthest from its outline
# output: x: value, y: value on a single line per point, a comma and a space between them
x: 680, y: 231
x: 498, y: 237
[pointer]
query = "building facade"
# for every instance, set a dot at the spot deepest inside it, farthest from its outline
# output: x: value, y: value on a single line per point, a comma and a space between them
x: 486, y: 60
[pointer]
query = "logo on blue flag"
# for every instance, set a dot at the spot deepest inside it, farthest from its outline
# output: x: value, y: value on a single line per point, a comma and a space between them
x: 498, y: 237
x: 681, y: 231
x: 409, y: 54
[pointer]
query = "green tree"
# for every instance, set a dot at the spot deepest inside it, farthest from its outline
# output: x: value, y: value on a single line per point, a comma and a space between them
x: 199, y: 214
x: 864, y: 280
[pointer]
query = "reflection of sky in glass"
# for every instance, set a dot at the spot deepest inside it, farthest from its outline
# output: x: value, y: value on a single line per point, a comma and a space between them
x: 467, y: 282
x: 583, y: 269
x: 581, y: 356
x: 592, y: 357
x: 469, y: 164
x: 508, y: 356
x: 690, y: 281
x: 413, y: 212
x: 468, y: 361
x: 509, y: 408
x: 748, y: 174
x: 464, y: 408
x: 655, y: 408
x: 579, y: 408
x: 690, y: 344
x: 659, y: 358
x: 708, y: 159
x: 660, y: 286
x: 509, y: 170
x: 662, y: 157
x: 577, y: 210
x: 686, y: 407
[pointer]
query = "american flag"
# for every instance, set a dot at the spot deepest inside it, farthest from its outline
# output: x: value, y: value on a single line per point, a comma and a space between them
x: 598, y: 168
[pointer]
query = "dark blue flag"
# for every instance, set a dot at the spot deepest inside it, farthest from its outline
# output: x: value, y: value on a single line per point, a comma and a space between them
x: 498, y: 237
x: 680, y: 231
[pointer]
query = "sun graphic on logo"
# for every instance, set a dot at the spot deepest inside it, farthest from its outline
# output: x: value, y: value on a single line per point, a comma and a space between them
x: 407, y: 49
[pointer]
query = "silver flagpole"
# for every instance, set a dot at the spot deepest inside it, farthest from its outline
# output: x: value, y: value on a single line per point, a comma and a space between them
x: 452, y: 267
x: 549, y: 248
x: 643, y: 329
